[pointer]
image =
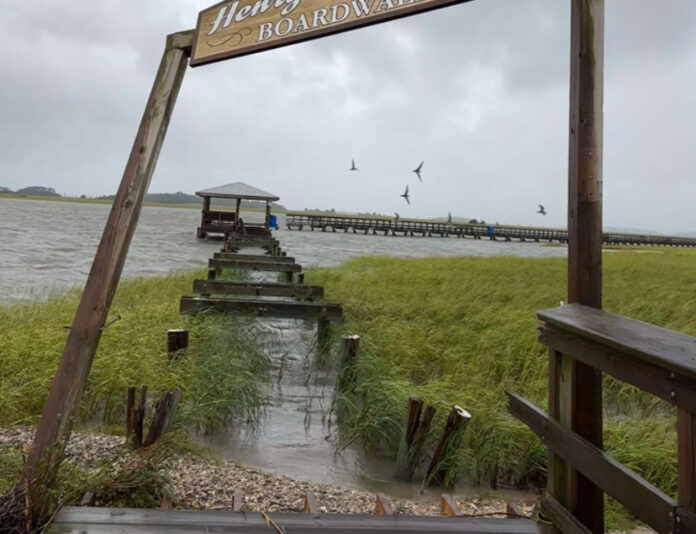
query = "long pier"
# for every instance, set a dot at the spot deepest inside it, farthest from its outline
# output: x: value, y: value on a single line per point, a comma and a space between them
x: 428, y: 228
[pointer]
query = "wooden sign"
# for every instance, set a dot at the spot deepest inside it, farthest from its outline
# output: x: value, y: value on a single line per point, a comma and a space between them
x: 238, y: 27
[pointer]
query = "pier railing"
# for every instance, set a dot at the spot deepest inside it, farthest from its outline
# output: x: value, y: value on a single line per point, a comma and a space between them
x: 656, y: 360
x: 416, y: 227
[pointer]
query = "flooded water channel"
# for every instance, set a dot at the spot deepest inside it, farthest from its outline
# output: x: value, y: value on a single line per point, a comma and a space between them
x: 49, y: 246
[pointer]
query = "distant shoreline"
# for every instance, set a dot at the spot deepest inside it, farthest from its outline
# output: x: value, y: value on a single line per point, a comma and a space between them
x: 109, y: 202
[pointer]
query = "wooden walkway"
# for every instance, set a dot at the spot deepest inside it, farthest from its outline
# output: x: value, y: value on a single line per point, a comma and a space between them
x: 291, y: 299
x: 415, y: 227
x: 142, y: 521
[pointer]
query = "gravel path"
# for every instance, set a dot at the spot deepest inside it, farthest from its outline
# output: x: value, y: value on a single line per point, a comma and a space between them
x: 205, y: 484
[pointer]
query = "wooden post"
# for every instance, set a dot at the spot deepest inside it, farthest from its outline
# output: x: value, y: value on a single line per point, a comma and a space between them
x: 686, y: 459
x: 456, y: 421
x: 177, y: 340
x: 323, y: 330
x: 586, y: 500
x: 382, y: 506
x: 404, y: 468
x: 130, y: 413
x: 164, y: 411
x: 421, y: 435
x: 53, y: 430
x: 300, y: 278
x: 350, y: 348
x: 139, y: 419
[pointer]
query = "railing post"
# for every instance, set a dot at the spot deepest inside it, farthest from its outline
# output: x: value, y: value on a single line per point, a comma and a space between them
x: 686, y: 459
x: 584, y: 385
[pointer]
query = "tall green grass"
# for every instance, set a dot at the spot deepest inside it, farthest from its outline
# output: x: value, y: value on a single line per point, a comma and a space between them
x: 220, y: 376
x: 463, y: 330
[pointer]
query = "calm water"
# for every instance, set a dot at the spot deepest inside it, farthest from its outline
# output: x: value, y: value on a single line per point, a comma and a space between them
x: 49, y: 246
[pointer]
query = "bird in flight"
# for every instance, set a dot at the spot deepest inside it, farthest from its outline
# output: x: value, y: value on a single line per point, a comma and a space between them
x: 449, y: 216
x: 396, y: 216
x: 352, y: 165
x: 405, y: 195
x: 418, y: 169
x: 541, y: 210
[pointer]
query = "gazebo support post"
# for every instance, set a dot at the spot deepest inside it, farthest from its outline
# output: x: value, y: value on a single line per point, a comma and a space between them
x: 53, y: 430
x: 268, y: 216
x: 575, y: 394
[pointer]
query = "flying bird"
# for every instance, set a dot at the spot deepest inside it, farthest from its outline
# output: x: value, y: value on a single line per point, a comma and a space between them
x: 396, y: 216
x: 352, y: 165
x: 405, y: 195
x: 541, y: 210
x: 449, y: 216
x: 418, y: 169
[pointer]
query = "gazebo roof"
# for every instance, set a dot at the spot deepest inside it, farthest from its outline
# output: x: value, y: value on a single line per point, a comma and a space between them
x: 237, y: 190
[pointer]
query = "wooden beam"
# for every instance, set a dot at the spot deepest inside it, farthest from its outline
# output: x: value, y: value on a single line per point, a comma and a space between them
x: 561, y: 517
x: 252, y: 257
x: 686, y: 459
x: 53, y: 430
x: 263, y: 308
x: 642, y: 499
x: 585, y: 230
x: 276, y: 266
x: 670, y: 386
x: 259, y: 289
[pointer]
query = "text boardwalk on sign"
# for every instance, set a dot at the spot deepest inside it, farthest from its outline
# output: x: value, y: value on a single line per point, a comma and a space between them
x: 238, y: 27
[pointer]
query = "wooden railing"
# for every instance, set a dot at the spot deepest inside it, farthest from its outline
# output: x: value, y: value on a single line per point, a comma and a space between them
x: 651, y: 358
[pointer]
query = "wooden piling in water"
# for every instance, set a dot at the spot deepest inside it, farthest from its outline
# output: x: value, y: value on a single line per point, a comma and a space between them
x: 350, y: 348
x: 164, y: 411
x: 456, y: 422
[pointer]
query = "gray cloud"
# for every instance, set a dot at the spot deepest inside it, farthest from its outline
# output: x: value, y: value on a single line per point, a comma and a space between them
x: 479, y: 91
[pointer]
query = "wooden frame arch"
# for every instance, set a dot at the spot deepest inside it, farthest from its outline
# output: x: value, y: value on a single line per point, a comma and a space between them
x: 584, y: 499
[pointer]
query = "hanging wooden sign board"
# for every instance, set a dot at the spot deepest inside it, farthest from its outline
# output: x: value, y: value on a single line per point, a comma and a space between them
x: 238, y: 27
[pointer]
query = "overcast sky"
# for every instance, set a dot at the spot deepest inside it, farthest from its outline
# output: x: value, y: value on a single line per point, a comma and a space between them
x: 478, y: 91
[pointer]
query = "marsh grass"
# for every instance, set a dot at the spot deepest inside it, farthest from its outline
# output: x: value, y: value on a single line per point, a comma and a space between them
x: 220, y: 376
x: 463, y: 331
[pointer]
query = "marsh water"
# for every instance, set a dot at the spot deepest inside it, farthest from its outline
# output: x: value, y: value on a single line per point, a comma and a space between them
x: 49, y: 246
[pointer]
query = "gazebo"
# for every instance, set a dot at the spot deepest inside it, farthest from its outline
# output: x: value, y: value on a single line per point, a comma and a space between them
x: 229, y: 222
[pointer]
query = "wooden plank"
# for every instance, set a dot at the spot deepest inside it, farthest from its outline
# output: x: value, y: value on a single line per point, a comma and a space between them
x: 76, y: 361
x: 668, y: 385
x: 263, y: 308
x: 685, y: 521
x: 260, y: 289
x: 642, y: 499
x: 310, y: 504
x: 448, y: 508
x: 277, y: 266
x: 664, y: 348
x: 561, y: 518
x: 560, y: 403
x: 382, y: 506
x: 93, y: 520
x: 252, y: 257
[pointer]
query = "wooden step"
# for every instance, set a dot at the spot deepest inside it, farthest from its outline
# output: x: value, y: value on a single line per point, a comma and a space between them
x: 263, y: 308
x: 252, y: 257
x: 277, y: 266
x: 260, y: 289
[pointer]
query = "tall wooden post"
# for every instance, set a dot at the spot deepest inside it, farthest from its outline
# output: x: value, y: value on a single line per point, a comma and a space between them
x: 583, y: 387
x: 53, y: 430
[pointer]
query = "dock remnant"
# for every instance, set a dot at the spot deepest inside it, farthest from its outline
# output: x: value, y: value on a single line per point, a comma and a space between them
x: 177, y: 342
x: 457, y: 421
x: 405, y: 460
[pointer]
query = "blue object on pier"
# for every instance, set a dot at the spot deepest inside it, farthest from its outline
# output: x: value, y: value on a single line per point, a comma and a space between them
x: 491, y: 230
x: 273, y: 222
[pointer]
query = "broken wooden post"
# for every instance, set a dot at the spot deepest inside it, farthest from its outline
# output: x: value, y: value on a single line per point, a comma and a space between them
x: 323, y: 334
x: 130, y: 413
x: 53, y: 430
x: 420, y: 437
x: 177, y: 340
x: 456, y: 422
x: 404, y: 469
x: 382, y: 506
x: 300, y: 278
x: 139, y: 419
x: 310, y: 504
x: 288, y: 277
x: 448, y: 507
x: 164, y: 412
x: 212, y: 273
x: 237, y: 501
x: 350, y: 348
